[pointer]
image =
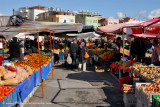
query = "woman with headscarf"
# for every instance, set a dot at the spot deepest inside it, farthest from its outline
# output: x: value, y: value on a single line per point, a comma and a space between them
x: 82, y: 60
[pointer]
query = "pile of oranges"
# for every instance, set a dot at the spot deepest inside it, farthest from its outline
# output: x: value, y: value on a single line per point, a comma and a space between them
x: 33, y: 61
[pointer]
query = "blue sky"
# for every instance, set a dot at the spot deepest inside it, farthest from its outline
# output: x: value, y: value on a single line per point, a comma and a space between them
x: 140, y: 9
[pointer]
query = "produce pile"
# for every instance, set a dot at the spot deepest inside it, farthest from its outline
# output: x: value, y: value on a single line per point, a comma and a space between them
x: 106, y: 55
x: 12, y: 75
x: 5, y: 91
x: 128, y: 89
x: 32, y: 61
x: 150, y: 88
x: 126, y: 64
x: 96, y: 51
x: 147, y: 71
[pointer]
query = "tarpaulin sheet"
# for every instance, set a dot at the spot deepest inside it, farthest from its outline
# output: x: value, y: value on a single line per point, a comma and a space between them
x: 45, y: 72
x: 49, y: 67
x: 37, y: 78
x: 9, y: 100
x: 25, y: 88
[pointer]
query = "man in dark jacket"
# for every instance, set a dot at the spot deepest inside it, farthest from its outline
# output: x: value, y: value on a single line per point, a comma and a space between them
x: 73, y: 53
x: 14, y: 49
x: 34, y: 46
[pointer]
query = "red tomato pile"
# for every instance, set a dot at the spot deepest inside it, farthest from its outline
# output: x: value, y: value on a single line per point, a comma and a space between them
x: 5, y: 90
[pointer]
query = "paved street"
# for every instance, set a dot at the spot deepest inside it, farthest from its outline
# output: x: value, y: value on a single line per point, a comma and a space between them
x: 78, y: 89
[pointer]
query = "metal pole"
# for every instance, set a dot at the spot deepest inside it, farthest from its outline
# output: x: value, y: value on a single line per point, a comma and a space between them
x: 51, y: 54
x: 123, y: 48
x: 40, y: 65
x: 53, y: 57
x: 3, y: 48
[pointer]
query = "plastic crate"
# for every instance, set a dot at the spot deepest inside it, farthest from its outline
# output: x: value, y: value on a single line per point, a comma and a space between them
x: 61, y: 53
x: 129, y: 100
x: 155, y: 102
x: 61, y: 57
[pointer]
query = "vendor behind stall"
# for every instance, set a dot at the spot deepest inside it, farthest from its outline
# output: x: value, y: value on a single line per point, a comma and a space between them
x: 155, y: 53
x: 34, y: 46
x: 14, y: 49
x: 116, y: 47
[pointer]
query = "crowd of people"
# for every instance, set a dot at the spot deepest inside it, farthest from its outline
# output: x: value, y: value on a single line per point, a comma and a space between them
x: 77, y: 49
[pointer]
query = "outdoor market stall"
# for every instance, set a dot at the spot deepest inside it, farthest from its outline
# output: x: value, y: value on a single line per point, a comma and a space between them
x: 15, y: 25
x: 146, y: 94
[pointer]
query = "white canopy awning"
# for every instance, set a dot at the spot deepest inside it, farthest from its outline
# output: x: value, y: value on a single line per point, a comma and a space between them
x: 85, y: 35
x: 35, y: 26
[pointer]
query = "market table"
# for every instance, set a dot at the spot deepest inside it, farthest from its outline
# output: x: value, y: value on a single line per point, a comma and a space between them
x: 10, y: 100
x: 24, y: 88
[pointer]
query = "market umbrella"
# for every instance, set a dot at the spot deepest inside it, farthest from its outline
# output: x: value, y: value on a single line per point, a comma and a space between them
x: 142, y: 27
x: 115, y: 28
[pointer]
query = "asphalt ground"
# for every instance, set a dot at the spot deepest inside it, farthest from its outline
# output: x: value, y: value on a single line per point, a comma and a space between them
x: 73, y: 88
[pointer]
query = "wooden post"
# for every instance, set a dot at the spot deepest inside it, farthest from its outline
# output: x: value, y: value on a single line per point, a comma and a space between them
x: 51, y: 55
x: 3, y: 48
x: 40, y: 65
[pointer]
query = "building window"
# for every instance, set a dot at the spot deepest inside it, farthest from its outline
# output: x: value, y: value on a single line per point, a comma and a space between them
x: 61, y: 20
x: 71, y: 20
x: 95, y: 21
x: 47, y: 14
x: 90, y: 21
x: 115, y: 23
x: 110, y: 23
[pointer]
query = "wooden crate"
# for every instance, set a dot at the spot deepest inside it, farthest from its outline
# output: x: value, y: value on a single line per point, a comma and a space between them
x: 99, y: 69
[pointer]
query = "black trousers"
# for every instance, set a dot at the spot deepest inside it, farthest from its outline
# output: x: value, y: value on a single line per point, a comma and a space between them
x: 73, y: 56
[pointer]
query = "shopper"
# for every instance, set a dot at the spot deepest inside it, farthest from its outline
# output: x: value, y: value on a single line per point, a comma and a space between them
x: 155, y: 58
x: 21, y: 48
x: 14, y: 49
x: 73, y: 52
x: 116, y: 47
x: 34, y: 46
x: 82, y: 60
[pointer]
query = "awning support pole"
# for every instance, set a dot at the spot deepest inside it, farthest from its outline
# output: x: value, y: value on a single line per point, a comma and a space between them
x: 40, y: 65
x: 3, y: 48
x: 51, y: 54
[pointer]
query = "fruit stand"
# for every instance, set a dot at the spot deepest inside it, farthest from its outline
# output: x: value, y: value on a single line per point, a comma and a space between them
x: 27, y: 75
x: 101, y: 57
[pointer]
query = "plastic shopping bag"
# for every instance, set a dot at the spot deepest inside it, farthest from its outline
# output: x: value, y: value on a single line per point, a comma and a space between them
x: 69, y: 60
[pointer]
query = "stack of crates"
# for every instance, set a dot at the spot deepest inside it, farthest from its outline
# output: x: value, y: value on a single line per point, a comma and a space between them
x: 61, y: 55
x: 129, y: 100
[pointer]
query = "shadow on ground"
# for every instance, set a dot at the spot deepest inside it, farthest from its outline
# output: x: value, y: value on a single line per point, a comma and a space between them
x: 103, y: 80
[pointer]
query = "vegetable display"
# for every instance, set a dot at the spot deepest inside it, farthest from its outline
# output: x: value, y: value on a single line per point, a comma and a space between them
x: 5, y: 91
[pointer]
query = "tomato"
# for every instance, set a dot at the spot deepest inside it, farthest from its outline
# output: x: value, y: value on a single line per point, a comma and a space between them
x: 7, y: 93
x: 6, y: 90
x: 2, y: 92
x: 9, y: 87
x: 2, y: 97
x: 13, y: 88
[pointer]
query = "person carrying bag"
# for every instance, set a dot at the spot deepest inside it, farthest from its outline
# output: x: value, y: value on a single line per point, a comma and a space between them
x: 82, y: 57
